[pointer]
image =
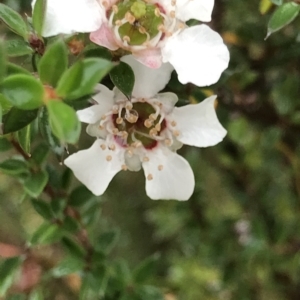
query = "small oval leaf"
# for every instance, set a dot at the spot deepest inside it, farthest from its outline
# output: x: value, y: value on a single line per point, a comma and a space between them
x: 23, y: 91
x: 123, y: 78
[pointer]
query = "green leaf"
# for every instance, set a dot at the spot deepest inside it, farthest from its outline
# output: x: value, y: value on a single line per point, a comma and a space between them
x: 36, y: 183
x: 123, y: 78
x: 68, y: 266
x: 13, y: 69
x: 13, y: 20
x: 145, y: 269
x: 53, y: 63
x: 70, y: 80
x: 8, y: 270
x: 97, y: 278
x: 148, y: 292
x: 2, y: 61
x: 40, y: 153
x: 17, y: 48
x: 47, y: 134
x: 277, y: 2
x: 107, y: 240
x: 38, y: 16
x: 23, y: 91
x: 58, y: 205
x: 42, y: 208
x: 64, y: 121
x: 14, y: 167
x: 283, y: 16
x: 80, y: 196
x: 17, y: 119
x: 82, y: 77
x: 46, y: 234
x: 5, y: 145
x: 24, y: 138
x: 70, y: 224
x: 5, y: 105
x: 73, y: 248
x: 36, y: 295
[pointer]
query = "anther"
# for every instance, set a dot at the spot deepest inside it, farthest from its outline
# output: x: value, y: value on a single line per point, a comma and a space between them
x: 176, y: 133
x: 153, y: 132
x: 112, y: 147
x: 146, y: 159
x: 103, y: 117
x: 157, y: 12
x: 158, y: 127
x: 169, y: 34
x: 161, y: 28
x: 115, y: 131
x: 103, y: 147
x: 150, y: 177
x: 126, y: 38
x: 128, y: 104
x: 124, y: 168
x: 129, y: 17
x: 108, y: 157
x: 118, y: 23
x: 132, y: 116
x: 119, y: 120
x: 142, y: 30
x: 153, y: 117
x: 160, y: 167
x: 115, y: 9
x: 173, y: 123
x: 105, y: 4
x: 148, y: 123
x: 173, y: 2
x: 130, y: 153
x: 172, y: 14
x: 168, y: 142
x: 115, y: 109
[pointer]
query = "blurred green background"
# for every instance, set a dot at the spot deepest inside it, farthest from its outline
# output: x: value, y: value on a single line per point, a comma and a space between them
x: 238, y: 237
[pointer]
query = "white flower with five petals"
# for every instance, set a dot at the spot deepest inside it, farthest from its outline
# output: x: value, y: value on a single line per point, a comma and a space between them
x: 154, y: 31
x: 144, y: 132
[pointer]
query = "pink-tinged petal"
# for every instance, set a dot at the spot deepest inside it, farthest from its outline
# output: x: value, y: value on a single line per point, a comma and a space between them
x: 194, y: 9
x: 198, y: 55
x: 69, y: 16
x: 149, y: 57
x: 198, y: 124
x: 104, y: 37
x: 148, y: 82
x: 95, y: 167
x: 168, y: 175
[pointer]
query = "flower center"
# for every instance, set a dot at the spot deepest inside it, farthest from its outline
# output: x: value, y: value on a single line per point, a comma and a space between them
x: 137, y: 22
x: 138, y: 123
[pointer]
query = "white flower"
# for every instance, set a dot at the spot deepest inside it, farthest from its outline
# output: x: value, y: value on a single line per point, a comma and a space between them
x: 154, y: 31
x: 144, y: 132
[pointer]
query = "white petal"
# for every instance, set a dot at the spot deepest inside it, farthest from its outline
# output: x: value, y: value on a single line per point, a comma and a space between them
x: 133, y: 162
x: 69, y: 16
x: 104, y: 95
x: 198, y: 55
x: 175, y: 180
x: 194, y: 9
x: 148, y: 82
x: 198, y: 124
x: 92, y: 168
x: 168, y: 101
x: 94, y: 131
x: 91, y: 114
